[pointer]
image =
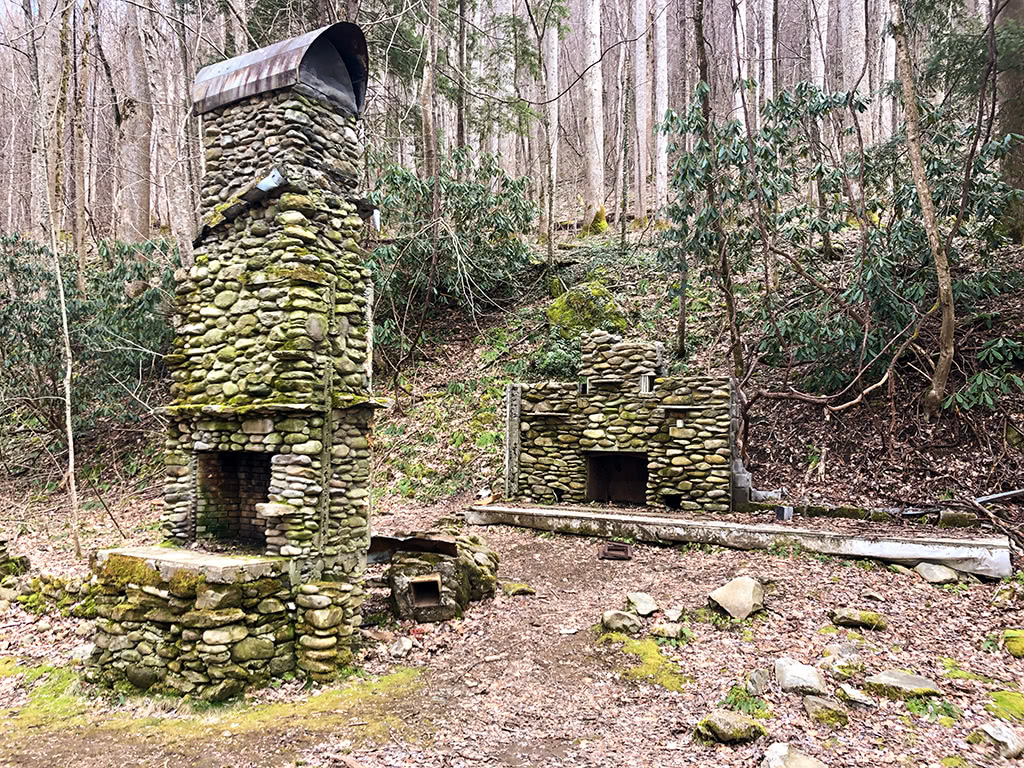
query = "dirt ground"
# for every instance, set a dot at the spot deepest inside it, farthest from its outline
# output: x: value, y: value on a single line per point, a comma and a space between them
x: 524, y: 681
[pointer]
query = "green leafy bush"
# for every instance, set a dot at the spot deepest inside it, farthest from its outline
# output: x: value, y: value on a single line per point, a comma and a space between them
x: 851, y: 313
x: 480, y: 251
x: 118, y: 331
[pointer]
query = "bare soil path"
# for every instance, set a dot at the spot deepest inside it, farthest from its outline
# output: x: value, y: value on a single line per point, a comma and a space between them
x: 523, y: 681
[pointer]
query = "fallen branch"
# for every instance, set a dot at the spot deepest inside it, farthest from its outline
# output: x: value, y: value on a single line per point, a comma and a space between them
x: 1012, y: 532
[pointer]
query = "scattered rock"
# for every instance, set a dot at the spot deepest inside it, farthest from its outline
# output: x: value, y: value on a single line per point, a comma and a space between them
x: 843, y: 660
x: 1013, y: 640
x: 401, y: 647
x: 673, y: 614
x: 794, y: 677
x: 517, y: 589
x: 757, y: 681
x: 851, y: 695
x: 669, y: 629
x: 824, y: 711
x: 727, y: 727
x: 641, y: 603
x: 1007, y: 741
x: 43, y: 625
x: 740, y: 597
x: 894, y: 684
x: 872, y: 595
x: 937, y: 574
x: 780, y: 755
x: 621, y: 621
x: 850, y: 617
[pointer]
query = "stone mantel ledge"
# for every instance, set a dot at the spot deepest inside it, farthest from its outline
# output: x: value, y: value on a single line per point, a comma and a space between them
x: 215, y: 568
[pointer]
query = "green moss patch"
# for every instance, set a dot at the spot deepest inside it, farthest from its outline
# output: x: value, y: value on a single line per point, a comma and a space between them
x: 52, y: 692
x: 585, y: 307
x: 122, y: 570
x: 1007, y: 705
x: 653, y: 667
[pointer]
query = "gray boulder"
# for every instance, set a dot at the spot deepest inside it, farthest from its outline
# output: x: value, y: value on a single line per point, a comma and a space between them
x: 1007, y: 741
x: 727, y: 727
x: 740, y: 597
x: 826, y: 712
x: 894, y: 684
x: 851, y: 695
x: 641, y: 603
x: 794, y: 677
x: 937, y: 574
x: 667, y: 629
x: 621, y: 621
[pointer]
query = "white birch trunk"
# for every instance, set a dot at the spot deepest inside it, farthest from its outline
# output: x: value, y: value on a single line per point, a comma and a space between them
x: 660, y: 106
x: 739, y: 57
x: 593, y: 116
x: 641, y: 106
x: 551, y: 90
x: 768, y: 25
x: 853, y: 27
x: 817, y: 25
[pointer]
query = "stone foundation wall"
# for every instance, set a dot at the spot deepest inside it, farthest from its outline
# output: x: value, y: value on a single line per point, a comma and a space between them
x: 682, y: 427
x: 196, y: 629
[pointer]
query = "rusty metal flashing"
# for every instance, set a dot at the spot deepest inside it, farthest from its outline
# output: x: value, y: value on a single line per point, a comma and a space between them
x: 329, y: 63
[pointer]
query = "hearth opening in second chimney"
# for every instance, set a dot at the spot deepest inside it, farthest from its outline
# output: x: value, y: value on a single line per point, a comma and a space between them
x: 230, y: 485
x: 618, y: 477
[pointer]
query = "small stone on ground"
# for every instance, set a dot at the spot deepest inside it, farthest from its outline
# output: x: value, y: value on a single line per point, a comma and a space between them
x: 621, y: 621
x: 780, y: 755
x: 896, y: 684
x: 727, y: 727
x: 823, y: 711
x: 937, y: 574
x: 641, y: 603
x: 740, y: 597
x: 1008, y: 742
x: 850, y: 617
x: 794, y: 677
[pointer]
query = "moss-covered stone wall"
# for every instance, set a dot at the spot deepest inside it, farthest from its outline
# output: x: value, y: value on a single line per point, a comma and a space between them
x: 679, y: 425
x: 189, y: 628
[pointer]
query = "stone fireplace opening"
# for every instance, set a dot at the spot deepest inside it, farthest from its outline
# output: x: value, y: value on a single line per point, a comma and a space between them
x: 618, y: 477
x: 230, y: 485
x: 426, y: 590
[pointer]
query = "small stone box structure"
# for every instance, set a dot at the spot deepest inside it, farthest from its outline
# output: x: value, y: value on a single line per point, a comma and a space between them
x: 625, y: 433
x: 268, y: 447
x: 431, y: 586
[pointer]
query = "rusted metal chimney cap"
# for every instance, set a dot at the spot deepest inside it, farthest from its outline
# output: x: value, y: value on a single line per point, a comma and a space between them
x: 330, y: 63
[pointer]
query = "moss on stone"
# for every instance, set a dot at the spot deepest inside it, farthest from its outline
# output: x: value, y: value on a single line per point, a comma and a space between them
x: 953, y: 761
x: 1007, y: 705
x: 952, y: 670
x: 122, y: 570
x: 653, y: 668
x: 1013, y: 641
x: 585, y: 307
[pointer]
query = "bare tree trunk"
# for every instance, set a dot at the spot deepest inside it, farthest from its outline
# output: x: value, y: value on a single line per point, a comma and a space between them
x: 817, y: 26
x: 739, y: 61
x: 641, y: 106
x: 660, y: 106
x: 933, y: 397
x: 768, y: 27
x: 143, y: 170
x: 460, y: 94
x: 593, y: 115
x: 551, y: 84
x: 711, y: 190
x: 53, y: 220
x: 79, y: 124
x: 853, y: 25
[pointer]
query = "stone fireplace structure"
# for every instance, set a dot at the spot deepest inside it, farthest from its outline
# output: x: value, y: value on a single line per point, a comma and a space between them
x: 625, y: 433
x: 268, y: 447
